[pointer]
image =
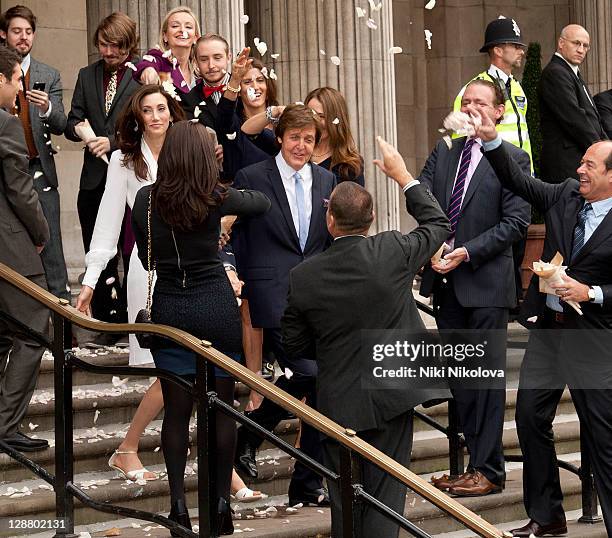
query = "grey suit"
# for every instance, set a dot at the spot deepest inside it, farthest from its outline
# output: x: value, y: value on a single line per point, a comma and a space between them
x: 42, y: 169
x: 22, y: 225
x: 477, y: 294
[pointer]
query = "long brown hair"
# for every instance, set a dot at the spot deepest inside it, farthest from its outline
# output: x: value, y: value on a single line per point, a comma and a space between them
x: 341, y: 142
x: 130, y: 128
x: 187, y: 185
x: 118, y: 29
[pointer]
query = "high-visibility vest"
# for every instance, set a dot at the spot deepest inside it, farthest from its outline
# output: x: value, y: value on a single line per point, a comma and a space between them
x: 513, y: 126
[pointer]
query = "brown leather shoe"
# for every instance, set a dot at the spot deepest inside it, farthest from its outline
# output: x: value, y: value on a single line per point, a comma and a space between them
x: 533, y: 527
x: 476, y: 485
x: 445, y: 481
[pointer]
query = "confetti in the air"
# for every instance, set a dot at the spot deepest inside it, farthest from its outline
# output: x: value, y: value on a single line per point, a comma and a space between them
x: 244, y: 19
x: 131, y: 66
x: 371, y: 24
x: 299, y: 103
x: 395, y: 50
x: 321, y: 51
x: 202, y: 103
x: 47, y: 189
x: 37, y: 174
x: 273, y: 75
x: 516, y: 29
x: 275, y: 56
x: 428, y: 35
x: 231, y: 136
x: 185, y: 34
x: 264, y: 71
x: 431, y: 4
x: 261, y: 46
x: 110, y: 280
x: 196, y: 111
x: 149, y: 58
x: 251, y: 94
x: 360, y: 11
x: 375, y: 7
x: 335, y: 60
x: 336, y: 121
x: 170, y: 89
x: 288, y: 373
x: 448, y: 141
x: 167, y: 54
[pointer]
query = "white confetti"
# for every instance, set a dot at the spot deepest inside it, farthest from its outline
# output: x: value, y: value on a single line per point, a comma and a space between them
x: 428, y: 35
x: 32, y: 426
x: 96, y: 415
x: 516, y: 29
x: 275, y: 55
x: 335, y: 60
x: 264, y: 71
x: 251, y: 94
x: 244, y: 19
x: 273, y: 75
x: 448, y: 141
x: 431, y: 4
x: 288, y: 373
x: 231, y: 136
x: 261, y: 46
x: 131, y: 66
x: 185, y: 34
x: 170, y: 89
x: 110, y: 280
x: 149, y: 58
x: 371, y: 24
x: 113, y: 293
x: 167, y: 54
x: 375, y: 7
x: 461, y: 123
x: 118, y: 382
x: 322, y: 52
x: 196, y: 111
x: 395, y: 50
x: 156, y: 449
x: 299, y: 103
x: 183, y: 83
x: 360, y: 11
x: 46, y: 189
x: 336, y: 121
x: 38, y: 174
x: 202, y: 103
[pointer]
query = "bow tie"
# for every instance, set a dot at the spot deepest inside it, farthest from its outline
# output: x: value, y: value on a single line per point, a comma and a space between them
x: 209, y: 90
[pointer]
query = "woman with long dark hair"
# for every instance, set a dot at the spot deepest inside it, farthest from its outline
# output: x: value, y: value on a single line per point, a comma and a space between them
x: 192, y: 292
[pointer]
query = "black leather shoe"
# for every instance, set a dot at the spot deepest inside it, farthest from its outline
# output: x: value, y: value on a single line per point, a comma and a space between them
x: 179, y: 513
x: 316, y: 497
x: 533, y: 527
x: 23, y: 443
x: 244, y: 461
x: 225, y: 518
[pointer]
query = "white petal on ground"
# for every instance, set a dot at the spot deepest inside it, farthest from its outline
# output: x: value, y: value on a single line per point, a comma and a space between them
x: 118, y: 382
x: 273, y: 75
x: 360, y: 11
x: 131, y: 66
x: 32, y: 426
x: 275, y: 55
x: 196, y: 111
x: 371, y: 24
x: 37, y: 174
x: 395, y: 50
x: 428, y: 35
x: 335, y: 60
x: 244, y: 19
x: 431, y: 4
x: 336, y: 121
x: 96, y: 415
x: 231, y: 136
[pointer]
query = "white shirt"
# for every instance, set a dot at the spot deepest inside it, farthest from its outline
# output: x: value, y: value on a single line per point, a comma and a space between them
x: 25, y: 67
x: 286, y: 174
x: 496, y: 72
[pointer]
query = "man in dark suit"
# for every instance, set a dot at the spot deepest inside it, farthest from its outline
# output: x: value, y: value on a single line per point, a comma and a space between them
x: 567, y: 348
x: 102, y: 89
x: 603, y: 102
x: 364, y: 283
x: 473, y: 285
x: 569, y: 119
x: 41, y: 112
x: 23, y: 234
x: 267, y: 248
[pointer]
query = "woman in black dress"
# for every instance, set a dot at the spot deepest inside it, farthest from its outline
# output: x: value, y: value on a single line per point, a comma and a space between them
x: 192, y: 292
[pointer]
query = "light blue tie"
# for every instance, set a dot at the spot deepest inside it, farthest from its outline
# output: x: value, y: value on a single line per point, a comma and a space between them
x: 301, y: 209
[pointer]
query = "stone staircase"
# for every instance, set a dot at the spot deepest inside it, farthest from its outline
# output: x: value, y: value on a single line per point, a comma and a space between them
x: 104, y: 404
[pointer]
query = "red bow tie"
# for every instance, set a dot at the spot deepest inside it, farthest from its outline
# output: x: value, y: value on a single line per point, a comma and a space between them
x: 209, y: 90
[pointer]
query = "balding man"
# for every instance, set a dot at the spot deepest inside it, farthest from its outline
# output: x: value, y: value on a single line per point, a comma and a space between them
x: 566, y: 348
x: 569, y: 118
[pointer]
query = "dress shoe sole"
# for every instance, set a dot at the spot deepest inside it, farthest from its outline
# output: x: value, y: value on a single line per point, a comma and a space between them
x: 466, y: 494
x: 555, y: 532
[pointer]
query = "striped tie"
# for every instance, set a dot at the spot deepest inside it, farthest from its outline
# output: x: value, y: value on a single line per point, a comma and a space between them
x: 454, y: 206
x: 579, y: 229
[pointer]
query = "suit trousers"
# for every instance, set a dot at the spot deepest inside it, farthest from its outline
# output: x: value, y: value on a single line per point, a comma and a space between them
x: 542, y: 381
x: 106, y: 305
x: 52, y: 255
x: 481, y: 411
x: 20, y: 354
x: 394, y: 438
x: 302, y: 384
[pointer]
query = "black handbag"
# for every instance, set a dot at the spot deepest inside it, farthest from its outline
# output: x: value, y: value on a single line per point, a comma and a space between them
x: 145, y: 341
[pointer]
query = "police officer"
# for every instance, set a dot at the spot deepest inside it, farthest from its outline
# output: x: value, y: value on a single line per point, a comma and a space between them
x: 506, y: 51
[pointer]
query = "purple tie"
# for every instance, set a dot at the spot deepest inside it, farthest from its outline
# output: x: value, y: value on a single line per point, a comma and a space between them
x: 454, y: 206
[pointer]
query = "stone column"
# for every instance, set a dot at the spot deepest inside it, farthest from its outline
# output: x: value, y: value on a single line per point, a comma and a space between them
x: 219, y: 16
x: 596, y: 17
x: 306, y: 34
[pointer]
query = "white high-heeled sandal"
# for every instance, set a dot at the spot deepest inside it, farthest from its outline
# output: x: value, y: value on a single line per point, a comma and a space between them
x: 137, y: 474
x: 247, y: 495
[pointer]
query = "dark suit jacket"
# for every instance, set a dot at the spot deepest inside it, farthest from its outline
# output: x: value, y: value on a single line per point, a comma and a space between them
x: 560, y: 204
x: 88, y: 103
x: 359, y: 284
x: 569, y: 122
x: 267, y: 247
x: 491, y: 219
x: 208, y: 111
x: 22, y: 223
x: 54, y: 124
x: 603, y: 102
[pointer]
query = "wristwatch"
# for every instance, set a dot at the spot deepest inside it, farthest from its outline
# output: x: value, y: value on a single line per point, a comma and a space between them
x: 591, y: 294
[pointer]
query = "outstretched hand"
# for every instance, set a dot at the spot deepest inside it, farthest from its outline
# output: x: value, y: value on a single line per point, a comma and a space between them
x: 242, y: 64
x: 484, y: 126
x: 392, y: 163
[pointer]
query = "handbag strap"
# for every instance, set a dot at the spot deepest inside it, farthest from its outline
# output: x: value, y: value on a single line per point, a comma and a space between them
x: 149, y: 268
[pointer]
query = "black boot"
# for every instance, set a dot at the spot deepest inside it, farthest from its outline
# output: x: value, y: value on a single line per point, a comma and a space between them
x: 225, y: 518
x: 244, y: 460
x: 179, y: 514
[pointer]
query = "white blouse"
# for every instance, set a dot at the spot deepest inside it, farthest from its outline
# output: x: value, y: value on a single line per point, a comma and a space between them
x: 121, y: 188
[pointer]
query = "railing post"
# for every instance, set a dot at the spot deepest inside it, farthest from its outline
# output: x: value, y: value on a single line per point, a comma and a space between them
x: 207, y: 465
x: 589, y: 494
x: 64, y: 470
x: 455, y: 447
x: 349, y: 475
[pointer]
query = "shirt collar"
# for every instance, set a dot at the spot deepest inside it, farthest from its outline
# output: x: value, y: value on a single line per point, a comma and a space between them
x: 574, y: 68
x: 285, y: 170
x: 350, y: 235
x: 496, y: 72
x: 601, y: 207
x: 222, y: 82
x: 25, y: 64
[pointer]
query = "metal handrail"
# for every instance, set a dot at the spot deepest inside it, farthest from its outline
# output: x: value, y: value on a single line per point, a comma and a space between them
x: 345, y: 437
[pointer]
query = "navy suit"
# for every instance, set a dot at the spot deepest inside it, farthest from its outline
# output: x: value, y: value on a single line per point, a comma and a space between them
x: 267, y: 248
